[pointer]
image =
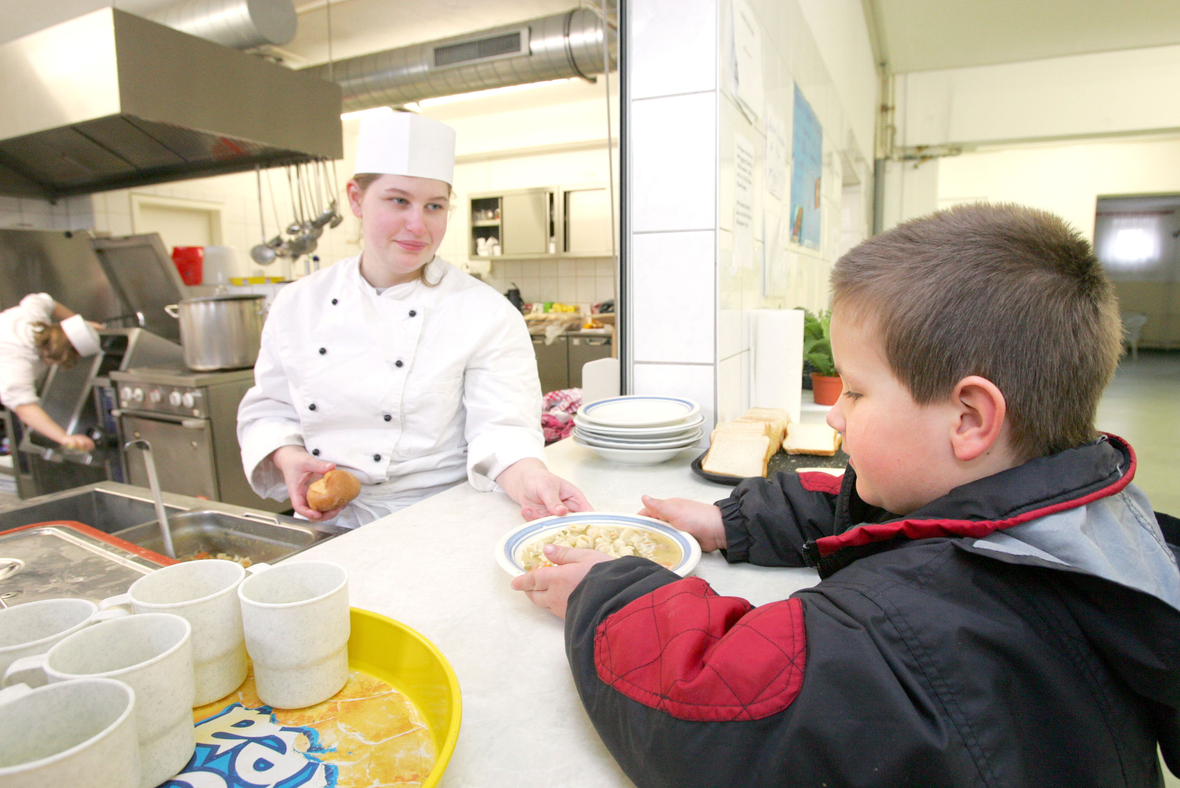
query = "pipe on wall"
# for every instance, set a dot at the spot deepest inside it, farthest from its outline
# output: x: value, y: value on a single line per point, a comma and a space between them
x: 559, y: 46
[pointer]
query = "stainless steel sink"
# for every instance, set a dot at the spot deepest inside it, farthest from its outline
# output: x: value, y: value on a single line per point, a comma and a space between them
x: 101, y: 506
x: 128, y: 512
x: 257, y: 537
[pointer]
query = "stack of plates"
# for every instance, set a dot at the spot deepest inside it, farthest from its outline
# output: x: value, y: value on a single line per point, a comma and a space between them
x: 639, y: 429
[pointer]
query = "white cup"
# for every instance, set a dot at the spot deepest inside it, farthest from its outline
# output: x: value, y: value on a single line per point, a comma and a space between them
x: 35, y: 627
x: 77, y: 733
x: 296, y: 619
x: 152, y: 654
x: 204, y: 593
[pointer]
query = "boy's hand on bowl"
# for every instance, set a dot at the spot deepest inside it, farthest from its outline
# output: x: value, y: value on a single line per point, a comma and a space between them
x: 550, y: 586
x: 701, y: 520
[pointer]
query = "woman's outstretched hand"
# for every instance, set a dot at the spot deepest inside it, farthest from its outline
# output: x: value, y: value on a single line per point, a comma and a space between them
x: 539, y: 492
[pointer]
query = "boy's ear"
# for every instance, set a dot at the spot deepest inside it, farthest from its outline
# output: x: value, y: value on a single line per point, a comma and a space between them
x: 981, y: 412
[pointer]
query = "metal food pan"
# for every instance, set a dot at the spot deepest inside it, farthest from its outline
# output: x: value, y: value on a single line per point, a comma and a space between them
x: 245, y: 536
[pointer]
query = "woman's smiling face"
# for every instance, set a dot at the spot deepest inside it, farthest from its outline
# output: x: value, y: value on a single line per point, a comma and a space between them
x: 404, y: 220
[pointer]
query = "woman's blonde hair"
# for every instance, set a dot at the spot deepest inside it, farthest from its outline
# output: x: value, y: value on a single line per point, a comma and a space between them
x: 53, y: 345
x: 363, y: 181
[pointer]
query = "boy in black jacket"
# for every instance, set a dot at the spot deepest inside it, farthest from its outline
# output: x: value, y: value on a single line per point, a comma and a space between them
x: 998, y: 606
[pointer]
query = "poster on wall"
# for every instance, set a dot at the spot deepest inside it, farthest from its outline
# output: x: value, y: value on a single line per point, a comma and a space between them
x: 747, y: 56
x: 743, y: 203
x: 807, y: 167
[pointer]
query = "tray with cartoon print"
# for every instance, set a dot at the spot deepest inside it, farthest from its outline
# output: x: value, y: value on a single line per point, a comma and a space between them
x: 395, y: 722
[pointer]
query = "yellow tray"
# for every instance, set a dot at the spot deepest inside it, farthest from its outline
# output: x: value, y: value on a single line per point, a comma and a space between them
x: 409, y: 662
x: 378, y: 648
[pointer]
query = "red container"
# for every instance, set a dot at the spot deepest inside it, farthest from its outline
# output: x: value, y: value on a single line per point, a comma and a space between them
x: 189, y: 262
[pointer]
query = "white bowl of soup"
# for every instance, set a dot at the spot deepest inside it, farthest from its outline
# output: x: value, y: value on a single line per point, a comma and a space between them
x: 616, y: 535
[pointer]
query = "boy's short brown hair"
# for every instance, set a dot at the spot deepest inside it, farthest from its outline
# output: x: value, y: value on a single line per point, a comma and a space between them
x: 1003, y: 291
x: 53, y: 345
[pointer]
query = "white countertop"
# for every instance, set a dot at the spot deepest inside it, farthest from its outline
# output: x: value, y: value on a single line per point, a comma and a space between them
x: 431, y: 567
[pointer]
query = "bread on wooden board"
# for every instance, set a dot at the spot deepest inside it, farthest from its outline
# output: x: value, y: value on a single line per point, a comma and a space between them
x: 742, y: 453
x: 337, y: 488
x: 819, y: 439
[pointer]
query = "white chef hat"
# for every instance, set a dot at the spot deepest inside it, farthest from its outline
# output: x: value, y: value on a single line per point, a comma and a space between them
x: 81, y: 335
x: 405, y: 143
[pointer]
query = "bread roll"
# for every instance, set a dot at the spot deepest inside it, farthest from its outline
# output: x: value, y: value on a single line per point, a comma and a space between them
x: 336, y: 489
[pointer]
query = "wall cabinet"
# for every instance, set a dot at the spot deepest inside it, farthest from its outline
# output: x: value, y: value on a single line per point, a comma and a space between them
x: 517, y: 224
x: 541, y: 223
x: 587, y: 222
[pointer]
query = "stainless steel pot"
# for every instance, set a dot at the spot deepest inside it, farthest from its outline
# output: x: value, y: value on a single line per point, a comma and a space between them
x: 220, y: 332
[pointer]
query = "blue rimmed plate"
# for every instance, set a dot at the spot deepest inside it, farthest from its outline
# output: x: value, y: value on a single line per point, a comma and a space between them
x: 638, y: 411
x: 512, y: 545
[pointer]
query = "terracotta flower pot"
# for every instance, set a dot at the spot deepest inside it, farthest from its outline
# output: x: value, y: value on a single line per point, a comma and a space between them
x: 825, y: 389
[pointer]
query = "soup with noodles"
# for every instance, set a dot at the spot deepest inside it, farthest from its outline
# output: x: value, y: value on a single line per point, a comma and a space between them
x: 614, y: 540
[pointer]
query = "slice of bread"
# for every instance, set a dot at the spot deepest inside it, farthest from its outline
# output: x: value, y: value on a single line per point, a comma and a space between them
x: 742, y: 453
x: 812, y: 439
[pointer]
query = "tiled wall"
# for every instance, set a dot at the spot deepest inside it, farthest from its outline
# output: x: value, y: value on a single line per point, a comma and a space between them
x: 689, y: 300
x: 71, y: 213
x: 583, y: 280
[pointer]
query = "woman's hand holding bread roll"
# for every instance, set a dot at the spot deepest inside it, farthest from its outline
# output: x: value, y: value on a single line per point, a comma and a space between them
x: 299, y: 470
x: 335, y: 490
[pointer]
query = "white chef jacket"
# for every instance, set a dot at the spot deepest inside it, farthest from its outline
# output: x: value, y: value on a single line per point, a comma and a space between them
x: 20, y: 363
x: 412, y: 390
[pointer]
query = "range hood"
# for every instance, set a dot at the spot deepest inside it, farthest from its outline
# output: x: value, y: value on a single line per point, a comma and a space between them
x: 110, y: 101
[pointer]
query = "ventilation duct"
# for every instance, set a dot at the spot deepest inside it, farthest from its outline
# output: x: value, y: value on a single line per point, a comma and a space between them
x: 551, y: 47
x: 240, y: 24
x: 110, y: 101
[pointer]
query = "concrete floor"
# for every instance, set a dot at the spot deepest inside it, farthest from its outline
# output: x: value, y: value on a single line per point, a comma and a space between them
x: 1142, y: 405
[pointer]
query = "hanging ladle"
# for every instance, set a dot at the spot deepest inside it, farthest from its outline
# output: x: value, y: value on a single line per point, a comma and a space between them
x: 263, y: 253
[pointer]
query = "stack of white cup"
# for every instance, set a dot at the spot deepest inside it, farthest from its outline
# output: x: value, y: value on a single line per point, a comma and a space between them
x: 65, y: 718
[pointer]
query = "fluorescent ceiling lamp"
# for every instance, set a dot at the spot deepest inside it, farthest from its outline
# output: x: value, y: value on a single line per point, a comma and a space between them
x: 418, y: 106
x: 434, y: 102
x: 361, y: 113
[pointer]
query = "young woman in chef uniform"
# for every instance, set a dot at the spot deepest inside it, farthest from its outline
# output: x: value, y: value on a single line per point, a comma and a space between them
x: 29, y: 340
x: 395, y: 365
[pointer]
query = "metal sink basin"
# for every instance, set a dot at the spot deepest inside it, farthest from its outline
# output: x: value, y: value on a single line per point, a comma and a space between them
x: 128, y: 512
x: 102, y: 507
x: 258, y: 537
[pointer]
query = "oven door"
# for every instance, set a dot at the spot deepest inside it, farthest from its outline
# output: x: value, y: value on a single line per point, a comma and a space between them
x: 182, y: 449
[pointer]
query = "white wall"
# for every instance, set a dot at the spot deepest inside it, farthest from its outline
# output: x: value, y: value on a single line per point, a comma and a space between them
x: 1052, y: 133
x: 1066, y: 97
x: 1065, y: 178
x: 689, y: 299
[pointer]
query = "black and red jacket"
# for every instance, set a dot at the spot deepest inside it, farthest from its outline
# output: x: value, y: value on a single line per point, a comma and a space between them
x: 1023, y: 630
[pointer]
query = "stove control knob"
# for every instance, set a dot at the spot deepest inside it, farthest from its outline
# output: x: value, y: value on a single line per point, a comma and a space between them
x: 125, y: 394
x: 154, y: 396
x: 188, y: 399
x: 137, y: 394
x: 174, y: 399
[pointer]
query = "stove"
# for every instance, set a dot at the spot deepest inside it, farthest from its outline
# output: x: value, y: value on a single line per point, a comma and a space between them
x: 190, y: 420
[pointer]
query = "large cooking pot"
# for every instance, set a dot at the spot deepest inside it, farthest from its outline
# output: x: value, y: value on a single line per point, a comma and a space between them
x: 220, y: 332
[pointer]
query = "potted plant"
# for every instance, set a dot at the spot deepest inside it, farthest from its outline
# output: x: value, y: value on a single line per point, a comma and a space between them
x: 817, y: 351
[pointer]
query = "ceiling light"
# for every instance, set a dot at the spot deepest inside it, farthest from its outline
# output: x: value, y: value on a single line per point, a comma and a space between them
x: 434, y: 102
